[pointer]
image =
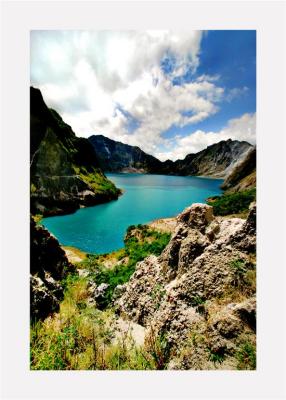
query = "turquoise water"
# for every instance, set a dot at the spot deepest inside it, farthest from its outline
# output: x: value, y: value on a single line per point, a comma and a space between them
x: 101, y: 229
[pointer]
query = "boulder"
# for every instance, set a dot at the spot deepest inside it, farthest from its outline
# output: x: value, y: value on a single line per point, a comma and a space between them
x: 197, y: 216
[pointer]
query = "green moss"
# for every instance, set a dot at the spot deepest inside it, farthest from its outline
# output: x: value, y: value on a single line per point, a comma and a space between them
x: 233, y: 203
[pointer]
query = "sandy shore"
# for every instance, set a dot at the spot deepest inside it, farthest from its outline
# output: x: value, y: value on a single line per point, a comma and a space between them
x: 164, y: 224
x: 73, y: 254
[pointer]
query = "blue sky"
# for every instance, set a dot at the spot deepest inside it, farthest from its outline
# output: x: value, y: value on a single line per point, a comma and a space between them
x: 230, y: 55
x: 170, y: 93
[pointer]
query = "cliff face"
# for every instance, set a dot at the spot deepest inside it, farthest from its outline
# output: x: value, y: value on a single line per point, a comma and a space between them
x: 48, y: 266
x: 199, y: 294
x: 216, y: 160
x: 243, y: 175
x: 65, y: 172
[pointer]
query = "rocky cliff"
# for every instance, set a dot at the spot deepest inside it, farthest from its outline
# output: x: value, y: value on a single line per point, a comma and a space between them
x: 243, y: 175
x: 48, y: 266
x: 198, y: 297
x: 65, y: 172
x: 216, y: 160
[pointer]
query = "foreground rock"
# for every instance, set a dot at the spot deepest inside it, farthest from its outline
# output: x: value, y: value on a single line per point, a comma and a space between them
x: 48, y: 267
x: 199, y: 294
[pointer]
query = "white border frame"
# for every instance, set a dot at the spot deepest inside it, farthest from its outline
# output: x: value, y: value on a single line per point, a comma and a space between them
x: 18, y: 18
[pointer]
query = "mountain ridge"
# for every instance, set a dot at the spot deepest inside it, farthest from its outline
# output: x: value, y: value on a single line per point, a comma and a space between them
x: 216, y: 160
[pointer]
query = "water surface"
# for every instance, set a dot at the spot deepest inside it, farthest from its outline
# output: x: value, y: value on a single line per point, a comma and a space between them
x: 101, y: 229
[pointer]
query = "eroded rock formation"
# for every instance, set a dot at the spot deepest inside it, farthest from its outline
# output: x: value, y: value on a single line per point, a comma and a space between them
x: 199, y: 294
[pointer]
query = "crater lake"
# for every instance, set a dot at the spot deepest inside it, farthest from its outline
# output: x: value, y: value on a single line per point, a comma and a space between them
x: 101, y: 228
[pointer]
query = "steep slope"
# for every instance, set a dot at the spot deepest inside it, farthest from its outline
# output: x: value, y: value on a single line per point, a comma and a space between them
x: 65, y: 172
x: 197, y: 299
x: 216, y: 160
x: 243, y: 175
x: 115, y: 156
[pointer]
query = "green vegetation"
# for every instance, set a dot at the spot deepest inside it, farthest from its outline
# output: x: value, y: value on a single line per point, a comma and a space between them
x: 33, y: 188
x: 197, y: 300
x: 233, y: 203
x: 246, y: 356
x: 244, y: 276
x: 81, y: 337
x: 158, y: 348
x: 140, y: 242
x: 37, y: 218
x: 98, y: 182
x: 239, y: 268
x: 157, y: 294
x: 75, y: 338
x: 216, y: 356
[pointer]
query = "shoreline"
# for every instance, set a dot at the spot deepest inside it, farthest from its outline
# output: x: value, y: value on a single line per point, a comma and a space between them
x: 158, y: 174
x: 74, y: 254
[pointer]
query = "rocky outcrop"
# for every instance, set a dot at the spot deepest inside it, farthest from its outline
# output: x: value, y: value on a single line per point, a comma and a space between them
x: 199, y: 294
x: 65, y: 172
x: 48, y: 266
x: 216, y: 160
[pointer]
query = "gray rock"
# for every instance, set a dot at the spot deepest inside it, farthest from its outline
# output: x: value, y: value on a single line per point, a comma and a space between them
x: 178, y: 293
x: 197, y: 216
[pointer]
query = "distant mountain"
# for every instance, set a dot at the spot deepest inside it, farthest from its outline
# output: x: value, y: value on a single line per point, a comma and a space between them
x: 115, y: 156
x: 65, y: 172
x: 243, y: 175
x: 216, y: 160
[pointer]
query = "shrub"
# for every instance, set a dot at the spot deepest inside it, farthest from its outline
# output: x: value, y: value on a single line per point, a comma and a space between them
x: 233, y: 203
x: 158, y: 350
x: 244, y: 276
x: 216, y: 356
x: 246, y: 356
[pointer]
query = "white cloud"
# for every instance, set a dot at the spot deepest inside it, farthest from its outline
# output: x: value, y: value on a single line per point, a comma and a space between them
x: 243, y: 128
x: 96, y: 79
x: 235, y: 93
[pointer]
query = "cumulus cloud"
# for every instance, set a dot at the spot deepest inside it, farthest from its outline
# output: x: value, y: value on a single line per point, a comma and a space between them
x: 243, y: 128
x: 114, y: 83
